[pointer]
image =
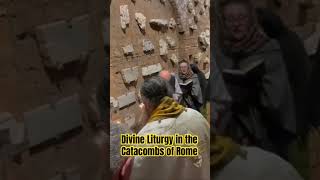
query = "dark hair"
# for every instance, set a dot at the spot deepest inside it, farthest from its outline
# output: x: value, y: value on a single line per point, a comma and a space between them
x: 154, y: 89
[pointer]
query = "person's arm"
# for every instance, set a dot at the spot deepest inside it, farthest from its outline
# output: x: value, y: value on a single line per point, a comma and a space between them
x: 196, y: 90
x: 276, y: 95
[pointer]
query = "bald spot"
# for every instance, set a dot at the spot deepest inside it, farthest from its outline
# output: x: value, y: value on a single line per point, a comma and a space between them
x: 165, y: 75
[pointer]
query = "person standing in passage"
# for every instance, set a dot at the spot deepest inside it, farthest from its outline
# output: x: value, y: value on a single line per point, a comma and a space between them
x: 190, y: 86
x: 262, y: 101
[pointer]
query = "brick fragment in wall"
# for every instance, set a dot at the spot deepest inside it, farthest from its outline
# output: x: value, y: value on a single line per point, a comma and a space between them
x: 126, y: 99
x: 159, y: 24
x: 141, y: 20
x: 163, y: 47
x: 174, y: 60
x: 190, y: 6
x: 206, y: 3
x: 192, y: 25
x: 128, y: 50
x: 171, y: 42
x: 130, y: 120
x: 197, y: 58
x: 206, y: 60
x: 130, y: 74
x: 114, y: 103
x: 152, y: 69
x: 311, y: 43
x: 15, y: 129
x: 181, y: 10
x: 106, y: 31
x: 124, y: 16
x: 62, y: 42
x: 202, y: 10
x: 172, y: 23
x: 207, y: 75
x: 47, y: 121
x: 204, y: 39
x: 148, y: 47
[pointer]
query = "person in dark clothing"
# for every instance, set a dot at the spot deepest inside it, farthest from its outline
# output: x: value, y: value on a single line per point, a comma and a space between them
x: 262, y: 107
x: 295, y: 58
x: 202, y: 80
x: 190, y: 86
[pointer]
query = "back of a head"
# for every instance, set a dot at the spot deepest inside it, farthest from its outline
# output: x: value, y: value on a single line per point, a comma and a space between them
x: 154, y: 89
x: 165, y: 75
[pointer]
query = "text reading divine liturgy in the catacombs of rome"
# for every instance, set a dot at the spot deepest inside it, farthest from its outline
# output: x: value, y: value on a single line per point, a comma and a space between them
x: 159, y: 145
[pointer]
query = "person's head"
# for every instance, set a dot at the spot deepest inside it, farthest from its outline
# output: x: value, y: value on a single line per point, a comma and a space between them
x: 152, y: 91
x: 165, y: 75
x: 184, y: 66
x: 237, y: 17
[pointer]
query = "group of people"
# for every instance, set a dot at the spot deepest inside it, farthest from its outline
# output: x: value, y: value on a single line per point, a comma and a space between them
x: 257, y: 91
x: 188, y: 85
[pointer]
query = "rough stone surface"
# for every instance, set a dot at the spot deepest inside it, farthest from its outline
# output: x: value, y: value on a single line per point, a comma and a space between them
x: 152, y: 69
x: 192, y: 25
x: 206, y: 60
x: 174, y: 60
x: 196, y: 18
x: 148, y: 47
x: 128, y: 50
x: 124, y: 16
x: 163, y: 1
x: 130, y: 120
x: 206, y: 3
x: 204, y: 39
x: 141, y: 20
x: 126, y: 99
x: 190, y: 7
x: 311, y: 44
x: 171, y: 42
x: 16, y: 129
x: 163, y: 47
x: 207, y: 75
x: 159, y: 24
x: 202, y: 10
x: 63, y: 42
x: 172, y: 23
x: 197, y: 58
x: 113, y: 102
x: 130, y: 74
x: 48, y: 122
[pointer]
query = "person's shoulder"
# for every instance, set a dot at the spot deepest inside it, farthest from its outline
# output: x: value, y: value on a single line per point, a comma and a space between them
x: 271, y: 45
x: 192, y: 114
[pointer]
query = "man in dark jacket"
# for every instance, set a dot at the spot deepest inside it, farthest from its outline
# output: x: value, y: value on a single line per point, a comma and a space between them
x: 295, y: 58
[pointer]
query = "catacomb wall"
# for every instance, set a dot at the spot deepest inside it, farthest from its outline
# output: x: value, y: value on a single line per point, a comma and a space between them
x: 52, y: 59
x: 154, y: 35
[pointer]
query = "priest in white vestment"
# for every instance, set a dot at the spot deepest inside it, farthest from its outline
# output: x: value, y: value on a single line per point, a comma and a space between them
x: 163, y: 116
